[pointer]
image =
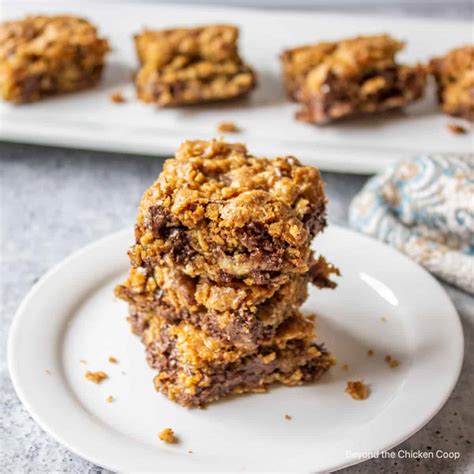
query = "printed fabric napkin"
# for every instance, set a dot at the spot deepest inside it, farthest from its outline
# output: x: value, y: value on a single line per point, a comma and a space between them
x: 425, y: 208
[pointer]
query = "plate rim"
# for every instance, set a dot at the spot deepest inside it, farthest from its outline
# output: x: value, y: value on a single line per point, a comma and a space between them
x: 20, y: 313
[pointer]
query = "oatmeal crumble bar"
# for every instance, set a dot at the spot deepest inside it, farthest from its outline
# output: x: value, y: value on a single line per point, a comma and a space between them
x: 355, y: 76
x: 195, y: 368
x: 228, y: 318
x: 454, y: 74
x: 218, y: 211
x: 45, y: 55
x: 234, y: 312
x: 191, y: 65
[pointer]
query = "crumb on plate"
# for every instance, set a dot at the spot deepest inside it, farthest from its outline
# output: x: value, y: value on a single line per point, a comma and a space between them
x: 344, y: 367
x: 117, y: 97
x: 457, y: 129
x: 109, y: 399
x: 82, y: 361
x: 113, y: 360
x: 383, y: 319
x: 370, y: 352
x: 47, y: 371
x: 96, y: 377
x: 227, y: 127
x: 167, y: 436
x: 287, y: 417
x: 357, y: 390
x: 392, y: 362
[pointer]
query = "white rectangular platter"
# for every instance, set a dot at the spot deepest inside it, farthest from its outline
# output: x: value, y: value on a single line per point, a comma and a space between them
x: 90, y: 120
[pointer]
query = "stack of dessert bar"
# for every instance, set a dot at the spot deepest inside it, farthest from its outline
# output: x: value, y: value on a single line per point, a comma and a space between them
x: 219, y: 269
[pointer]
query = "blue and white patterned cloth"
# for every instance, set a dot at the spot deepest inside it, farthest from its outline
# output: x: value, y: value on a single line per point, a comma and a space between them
x: 425, y: 208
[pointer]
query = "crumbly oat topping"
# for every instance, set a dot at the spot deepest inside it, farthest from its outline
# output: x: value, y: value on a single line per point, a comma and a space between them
x: 358, y: 390
x: 392, y: 362
x: 214, y: 43
x: 96, y: 377
x: 167, y: 435
x: 227, y: 127
x: 43, y: 55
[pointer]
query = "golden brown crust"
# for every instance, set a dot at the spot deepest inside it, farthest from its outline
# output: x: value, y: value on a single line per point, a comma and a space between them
x: 454, y: 74
x: 43, y: 55
x: 213, y: 43
x: 191, y: 65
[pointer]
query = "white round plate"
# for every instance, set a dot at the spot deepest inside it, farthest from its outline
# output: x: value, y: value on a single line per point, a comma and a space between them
x: 384, y: 302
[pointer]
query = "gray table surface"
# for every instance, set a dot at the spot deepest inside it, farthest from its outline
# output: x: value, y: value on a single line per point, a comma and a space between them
x: 53, y: 201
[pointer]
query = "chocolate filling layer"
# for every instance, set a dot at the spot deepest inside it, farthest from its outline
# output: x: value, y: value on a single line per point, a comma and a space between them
x: 244, y: 375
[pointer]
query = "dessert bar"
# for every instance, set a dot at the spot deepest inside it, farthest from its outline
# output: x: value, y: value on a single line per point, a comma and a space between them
x: 242, y: 315
x: 191, y: 65
x: 195, y: 368
x: 219, y: 212
x: 333, y: 80
x: 454, y: 74
x: 45, y: 55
